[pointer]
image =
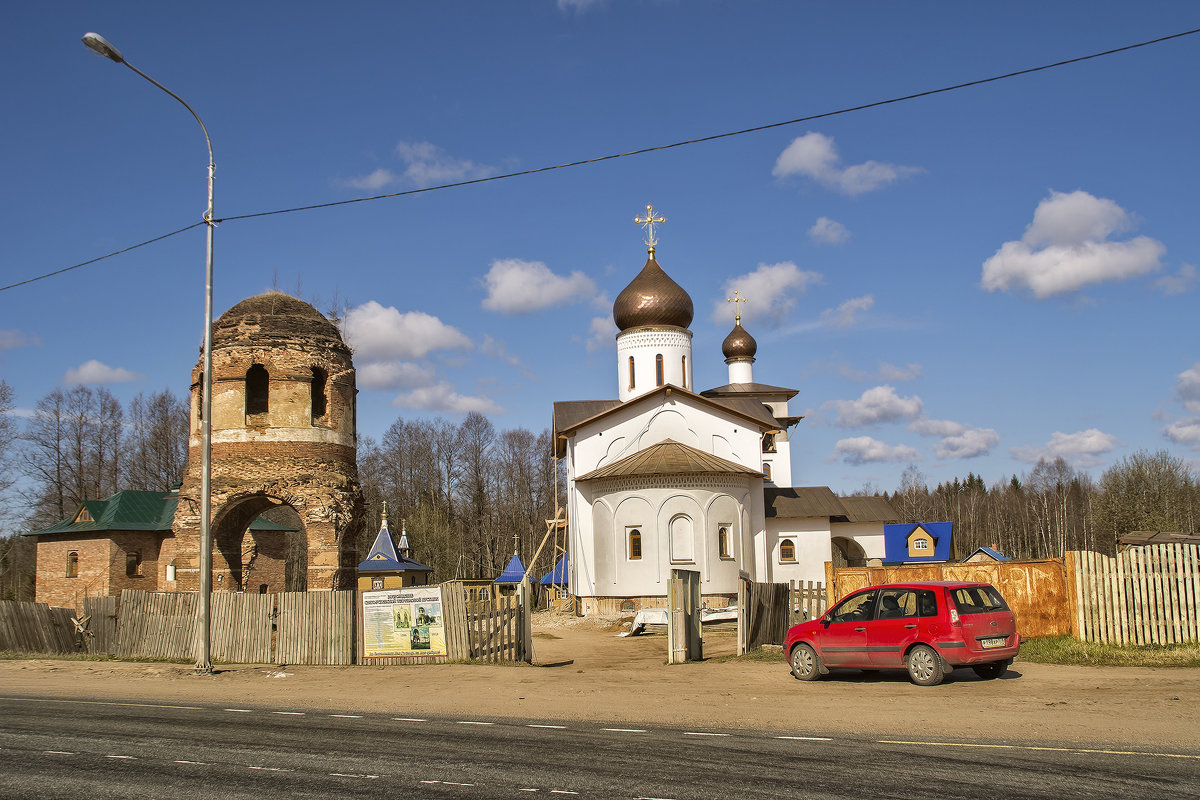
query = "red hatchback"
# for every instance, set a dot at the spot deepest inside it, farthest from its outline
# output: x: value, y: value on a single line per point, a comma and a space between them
x: 926, y: 628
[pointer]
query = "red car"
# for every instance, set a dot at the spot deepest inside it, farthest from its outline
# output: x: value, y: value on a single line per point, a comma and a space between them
x: 926, y: 628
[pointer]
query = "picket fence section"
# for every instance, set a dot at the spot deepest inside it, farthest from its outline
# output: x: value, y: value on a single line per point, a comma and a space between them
x: 316, y: 628
x: 101, y: 624
x: 27, y: 627
x: 1145, y: 595
x: 808, y: 600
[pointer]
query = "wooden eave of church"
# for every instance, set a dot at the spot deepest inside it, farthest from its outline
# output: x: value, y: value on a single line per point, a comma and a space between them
x: 571, y: 415
x: 802, y: 501
x: 669, y: 458
x: 869, y: 509
x: 753, y: 389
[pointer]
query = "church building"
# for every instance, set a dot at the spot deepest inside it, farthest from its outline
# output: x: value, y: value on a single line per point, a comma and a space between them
x: 669, y: 477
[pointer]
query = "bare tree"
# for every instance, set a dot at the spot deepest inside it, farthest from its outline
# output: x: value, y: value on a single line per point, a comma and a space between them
x: 156, y: 444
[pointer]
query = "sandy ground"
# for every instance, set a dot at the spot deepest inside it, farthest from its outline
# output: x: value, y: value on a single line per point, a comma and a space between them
x: 584, y: 672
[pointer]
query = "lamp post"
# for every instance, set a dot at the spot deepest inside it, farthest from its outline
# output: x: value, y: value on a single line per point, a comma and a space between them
x: 101, y: 46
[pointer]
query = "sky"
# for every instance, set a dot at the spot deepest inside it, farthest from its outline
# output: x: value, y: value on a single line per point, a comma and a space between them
x: 965, y: 282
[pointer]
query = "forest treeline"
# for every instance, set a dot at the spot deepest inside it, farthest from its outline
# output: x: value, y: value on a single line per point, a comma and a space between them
x: 469, y: 494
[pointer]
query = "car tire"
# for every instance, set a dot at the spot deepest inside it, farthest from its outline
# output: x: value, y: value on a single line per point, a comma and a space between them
x: 925, y: 666
x: 991, y: 671
x: 806, y: 664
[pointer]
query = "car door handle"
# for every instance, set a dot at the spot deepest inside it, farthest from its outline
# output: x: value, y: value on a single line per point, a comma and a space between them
x: 859, y: 630
x: 910, y: 626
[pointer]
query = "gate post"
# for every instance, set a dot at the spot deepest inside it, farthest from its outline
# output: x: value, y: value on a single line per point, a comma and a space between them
x: 683, y: 617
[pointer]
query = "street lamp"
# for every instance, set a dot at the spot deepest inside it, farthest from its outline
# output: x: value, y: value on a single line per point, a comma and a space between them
x: 100, y: 45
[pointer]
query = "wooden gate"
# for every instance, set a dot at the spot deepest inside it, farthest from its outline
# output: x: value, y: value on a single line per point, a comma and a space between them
x: 764, y: 613
x: 316, y: 628
x: 683, y: 617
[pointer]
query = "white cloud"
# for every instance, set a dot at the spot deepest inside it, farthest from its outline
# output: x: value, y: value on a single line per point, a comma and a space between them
x: 521, y: 287
x: 578, y: 6
x: 428, y: 165
x: 880, y: 404
x: 1184, y: 431
x: 1081, y: 449
x: 770, y: 291
x: 1187, y: 388
x: 815, y: 156
x: 379, y: 333
x: 957, y: 439
x: 497, y: 349
x: 846, y: 314
x: 442, y: 397
x: 602, y: 334
x: 11, y: 339
x: 890, y: 372
x: 864, y: 449
x: 1180, y: 282
x: 393, y: 375
x: 93, y: 371
x: 1067, y: 247
x: 826, y: 231
x: 377, y: 180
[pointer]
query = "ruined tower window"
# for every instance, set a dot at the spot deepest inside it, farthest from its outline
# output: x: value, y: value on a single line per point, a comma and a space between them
x: 658, y: 369
x: 73, y: 564
x: 133, y: 564
x: 257, y: 383
x: 320, y: 380
x: 631, y: 372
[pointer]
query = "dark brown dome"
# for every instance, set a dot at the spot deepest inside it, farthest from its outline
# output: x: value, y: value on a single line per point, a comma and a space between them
x: 739, y: 343
x: 274, y: 318
x: 652, y: 298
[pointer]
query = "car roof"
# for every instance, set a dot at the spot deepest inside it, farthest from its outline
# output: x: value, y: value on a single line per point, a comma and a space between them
x: 925, y: 585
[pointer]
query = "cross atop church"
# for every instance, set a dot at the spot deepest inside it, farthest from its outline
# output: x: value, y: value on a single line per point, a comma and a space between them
x: 737, y: 312
x: 648, y: 222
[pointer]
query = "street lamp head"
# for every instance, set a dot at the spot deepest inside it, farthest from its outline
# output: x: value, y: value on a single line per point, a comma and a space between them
x: 99, y: 45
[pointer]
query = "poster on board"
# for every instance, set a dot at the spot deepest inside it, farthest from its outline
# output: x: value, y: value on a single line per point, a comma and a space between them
x: 404, y: 622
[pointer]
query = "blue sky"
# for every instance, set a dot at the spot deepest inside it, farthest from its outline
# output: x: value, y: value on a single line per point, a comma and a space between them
x: 967, y: 282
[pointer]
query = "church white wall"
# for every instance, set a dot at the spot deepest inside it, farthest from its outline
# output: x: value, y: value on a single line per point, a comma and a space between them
x: 811, y: 538
x: 643, y: 345
x: 868, y: 536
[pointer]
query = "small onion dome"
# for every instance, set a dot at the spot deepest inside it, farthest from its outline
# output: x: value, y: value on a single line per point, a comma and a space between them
x: 652, y: 298
x: 739, y: 343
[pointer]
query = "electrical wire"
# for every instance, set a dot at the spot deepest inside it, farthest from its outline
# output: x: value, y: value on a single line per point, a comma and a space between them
x: 641, y: 151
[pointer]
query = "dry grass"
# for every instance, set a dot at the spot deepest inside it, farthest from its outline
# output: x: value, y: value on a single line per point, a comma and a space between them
x: 1068, y: 650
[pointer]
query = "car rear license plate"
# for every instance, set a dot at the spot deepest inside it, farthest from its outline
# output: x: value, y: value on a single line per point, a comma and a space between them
x: 996, y: 642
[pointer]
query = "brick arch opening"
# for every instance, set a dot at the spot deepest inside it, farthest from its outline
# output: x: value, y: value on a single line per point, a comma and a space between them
x: 258, y: 561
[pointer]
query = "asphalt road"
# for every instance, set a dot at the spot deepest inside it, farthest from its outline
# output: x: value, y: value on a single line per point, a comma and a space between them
x: 90, y: 750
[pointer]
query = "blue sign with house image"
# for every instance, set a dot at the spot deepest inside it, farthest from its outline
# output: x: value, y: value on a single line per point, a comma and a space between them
x: 917, y: 542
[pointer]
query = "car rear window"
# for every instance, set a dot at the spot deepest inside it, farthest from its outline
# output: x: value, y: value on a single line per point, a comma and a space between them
x: 978, y: 600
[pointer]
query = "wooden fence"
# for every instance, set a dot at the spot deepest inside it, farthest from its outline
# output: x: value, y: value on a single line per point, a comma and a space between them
x: 1146, y: 595
x: 101, y: 624
x: 808, y: 600
x: 1035, y: 590
x: 27, y: 627
x: 764, y: 613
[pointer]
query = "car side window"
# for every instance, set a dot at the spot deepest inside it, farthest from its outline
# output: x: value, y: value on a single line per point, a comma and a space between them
x: 897, y: 603
x: 856, y: 608
x: 926, y: 603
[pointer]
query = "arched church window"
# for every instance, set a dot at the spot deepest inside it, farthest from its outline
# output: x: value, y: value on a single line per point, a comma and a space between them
x: 200, y: 398
x: 73, y: 564
x: 682, y: 546
x: 635, y: 544
x: 723, y: 541
x: 658, y: 369
x: 684, y: 378
x: 787, y: 551
x: 320, y: 382
x: 631, y: 382
x: 766, y: 471
x: 257, y: 387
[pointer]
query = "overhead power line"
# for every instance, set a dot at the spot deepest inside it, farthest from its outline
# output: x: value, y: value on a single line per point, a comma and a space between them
x: 642, y: 151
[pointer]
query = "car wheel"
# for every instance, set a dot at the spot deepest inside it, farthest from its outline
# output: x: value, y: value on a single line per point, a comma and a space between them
x: 806, y: 664
x: 991, y: 671
x: 924, y: 666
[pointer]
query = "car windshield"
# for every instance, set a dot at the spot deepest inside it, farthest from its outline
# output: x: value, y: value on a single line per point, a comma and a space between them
x: 978, y: 600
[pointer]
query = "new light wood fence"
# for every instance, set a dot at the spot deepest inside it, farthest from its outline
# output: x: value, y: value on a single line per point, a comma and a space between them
x: 808, y: 600
x: 36, y: 628
x: 1145, y: 595
x: 493, y: 627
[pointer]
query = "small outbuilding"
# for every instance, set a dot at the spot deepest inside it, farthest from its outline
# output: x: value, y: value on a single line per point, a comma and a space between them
x: 389, y: 567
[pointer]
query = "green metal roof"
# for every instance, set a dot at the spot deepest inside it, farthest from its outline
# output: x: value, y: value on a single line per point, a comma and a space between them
x: 132, y: 510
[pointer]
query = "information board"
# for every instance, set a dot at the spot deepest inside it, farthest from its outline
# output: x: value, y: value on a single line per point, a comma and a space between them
x: 404, y: 622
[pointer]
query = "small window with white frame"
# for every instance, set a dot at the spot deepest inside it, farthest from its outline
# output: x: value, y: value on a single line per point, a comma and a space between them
x: 634, y: 538
x: 787, y: 551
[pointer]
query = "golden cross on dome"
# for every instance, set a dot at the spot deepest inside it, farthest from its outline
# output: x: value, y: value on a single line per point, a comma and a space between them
x: 737, y: 313
x: 648, y: 222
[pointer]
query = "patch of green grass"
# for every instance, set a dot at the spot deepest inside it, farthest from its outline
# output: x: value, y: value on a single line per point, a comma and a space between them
x: 12, y: 655
x: 762, y: 655
x: 1069, y: 650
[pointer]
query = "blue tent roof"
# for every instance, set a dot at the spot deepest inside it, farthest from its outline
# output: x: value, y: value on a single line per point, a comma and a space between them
x: 558, y: 574
x: 383, y: 557
x: 513, y: 573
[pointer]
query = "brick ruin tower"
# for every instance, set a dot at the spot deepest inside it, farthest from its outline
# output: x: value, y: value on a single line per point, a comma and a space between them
x: 282, y: 433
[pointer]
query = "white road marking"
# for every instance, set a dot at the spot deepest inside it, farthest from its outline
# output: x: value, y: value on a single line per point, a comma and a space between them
x: 807, y: 738
x: 273, y: 769
x: 448, y: 783
x: 409, y: 719
x: 701, y: 733
x: 58, y: 752
x: 1043, y: 749
x: 624, y: 730
x: 289, y: 713
x: 240, y: 710
x: 553, y: 727
x: 197, y: 763
x: 347, y: 716
x: 345, y: 775
x: 468, y: 722
x: 561, y: 791
x: 126, y: 758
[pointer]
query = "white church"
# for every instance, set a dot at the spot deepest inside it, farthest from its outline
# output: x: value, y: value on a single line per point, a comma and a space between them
x: 667, y: 477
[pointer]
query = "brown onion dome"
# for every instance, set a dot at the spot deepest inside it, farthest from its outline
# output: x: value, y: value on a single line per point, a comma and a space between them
x: 739, y: 343
x: 652, y: 298
x: 273, y: 319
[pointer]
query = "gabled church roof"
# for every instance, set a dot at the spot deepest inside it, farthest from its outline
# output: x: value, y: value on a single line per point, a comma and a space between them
x: 513, y: 573
x: 669, y: 457
x: 384, y: 558
x: 558, y: 574
x: 820, y: 501
x: 755, y: 389
x: 571, y: 415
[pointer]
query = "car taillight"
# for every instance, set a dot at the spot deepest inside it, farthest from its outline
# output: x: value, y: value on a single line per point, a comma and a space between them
x: 954, y: 620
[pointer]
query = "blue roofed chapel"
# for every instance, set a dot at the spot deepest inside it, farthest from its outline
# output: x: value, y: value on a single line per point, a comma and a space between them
x: 666, y: 476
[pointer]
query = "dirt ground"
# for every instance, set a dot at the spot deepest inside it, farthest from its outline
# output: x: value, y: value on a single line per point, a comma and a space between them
x: 584, y: 672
